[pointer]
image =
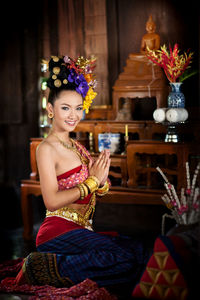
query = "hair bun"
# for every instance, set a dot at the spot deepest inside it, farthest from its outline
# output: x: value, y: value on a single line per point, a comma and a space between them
x: 66, y: 73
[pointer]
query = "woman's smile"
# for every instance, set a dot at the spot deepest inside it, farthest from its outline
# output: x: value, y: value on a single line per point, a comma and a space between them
x: 71, y: 123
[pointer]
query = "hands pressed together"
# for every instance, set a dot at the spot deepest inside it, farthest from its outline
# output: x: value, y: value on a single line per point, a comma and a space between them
x: 100, y: 167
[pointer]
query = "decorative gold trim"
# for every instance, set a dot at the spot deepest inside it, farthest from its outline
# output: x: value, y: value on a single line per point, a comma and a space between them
x: 73, y: 215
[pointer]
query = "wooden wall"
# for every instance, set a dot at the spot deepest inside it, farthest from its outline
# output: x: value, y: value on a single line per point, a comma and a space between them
x: 112, y: 29
x: 19, y: 52
x: 175, y: 23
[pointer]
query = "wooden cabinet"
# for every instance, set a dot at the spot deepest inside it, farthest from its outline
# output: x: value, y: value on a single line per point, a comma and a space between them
x: 144, y: 156
x: 137, y: 130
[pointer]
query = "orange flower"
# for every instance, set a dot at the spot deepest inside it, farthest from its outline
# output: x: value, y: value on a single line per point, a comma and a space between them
x: 88, y: 77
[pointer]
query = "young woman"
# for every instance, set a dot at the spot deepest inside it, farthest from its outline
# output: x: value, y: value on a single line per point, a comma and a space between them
x: 69, y: 251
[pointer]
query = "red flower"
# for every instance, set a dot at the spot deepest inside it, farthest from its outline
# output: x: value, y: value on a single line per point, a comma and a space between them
x: 173, y: 63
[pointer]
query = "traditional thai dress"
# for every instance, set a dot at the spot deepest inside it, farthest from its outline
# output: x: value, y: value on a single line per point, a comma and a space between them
x: 69, y: 251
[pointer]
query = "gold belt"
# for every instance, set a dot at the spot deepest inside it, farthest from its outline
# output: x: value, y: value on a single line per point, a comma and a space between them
x: 71, y: 214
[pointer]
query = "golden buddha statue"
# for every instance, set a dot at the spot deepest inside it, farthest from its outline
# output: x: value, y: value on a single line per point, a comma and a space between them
x: 150, y: 39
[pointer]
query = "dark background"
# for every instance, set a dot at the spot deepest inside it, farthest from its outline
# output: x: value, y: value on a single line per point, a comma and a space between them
x: 22, y: 35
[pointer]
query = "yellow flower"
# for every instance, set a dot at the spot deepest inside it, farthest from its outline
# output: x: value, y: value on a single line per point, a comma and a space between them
x: 88, y: 99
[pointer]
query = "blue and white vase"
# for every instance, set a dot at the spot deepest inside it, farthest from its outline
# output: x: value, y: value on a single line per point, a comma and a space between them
x: 176, y: 98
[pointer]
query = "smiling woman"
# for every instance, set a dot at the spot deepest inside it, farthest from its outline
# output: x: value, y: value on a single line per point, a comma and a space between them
x: 69, y: 251
x: 66, y: 110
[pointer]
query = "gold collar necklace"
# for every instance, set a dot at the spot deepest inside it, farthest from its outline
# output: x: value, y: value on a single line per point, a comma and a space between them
x: 73, y: 148
x: 64, y: 143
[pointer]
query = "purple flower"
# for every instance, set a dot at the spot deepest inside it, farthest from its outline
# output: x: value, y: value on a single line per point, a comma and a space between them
x: 80, y: 82
x: 80, y: 78
x: 83, y: 88
x: 67, y: 60
x: 72, y: 75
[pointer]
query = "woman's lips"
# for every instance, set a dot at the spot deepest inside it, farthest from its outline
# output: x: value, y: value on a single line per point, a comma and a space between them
x: 70, y: 123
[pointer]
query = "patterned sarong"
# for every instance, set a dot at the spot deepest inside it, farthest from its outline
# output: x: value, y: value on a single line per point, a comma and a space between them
x: 79, y: 254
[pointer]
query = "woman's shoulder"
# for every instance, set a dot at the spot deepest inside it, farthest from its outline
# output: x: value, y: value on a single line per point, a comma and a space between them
x: 44, y: 148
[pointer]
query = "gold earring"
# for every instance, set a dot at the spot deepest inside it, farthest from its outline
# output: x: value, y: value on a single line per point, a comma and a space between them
x: 50, y: 115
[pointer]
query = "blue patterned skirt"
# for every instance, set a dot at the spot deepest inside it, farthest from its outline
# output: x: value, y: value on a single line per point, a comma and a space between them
x: 79, y: 254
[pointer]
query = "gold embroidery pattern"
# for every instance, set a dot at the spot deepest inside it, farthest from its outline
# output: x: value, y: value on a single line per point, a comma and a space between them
x: 74, y: 216
x: 41, y: 269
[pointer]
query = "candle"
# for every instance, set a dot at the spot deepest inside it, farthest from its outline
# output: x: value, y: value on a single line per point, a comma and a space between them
x: 44, y: 102
x: 126, y: 130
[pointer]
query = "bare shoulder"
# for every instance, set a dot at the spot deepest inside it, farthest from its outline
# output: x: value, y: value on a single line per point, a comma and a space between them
x: 44, y: 148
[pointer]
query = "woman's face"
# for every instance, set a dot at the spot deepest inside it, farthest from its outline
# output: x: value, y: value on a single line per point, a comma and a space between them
x: 67, y: 110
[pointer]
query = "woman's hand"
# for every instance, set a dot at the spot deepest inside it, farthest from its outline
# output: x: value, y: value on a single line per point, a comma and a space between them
x: 100, y: 168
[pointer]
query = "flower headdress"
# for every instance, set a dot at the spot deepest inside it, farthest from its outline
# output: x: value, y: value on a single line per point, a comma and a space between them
x: 66, y: 73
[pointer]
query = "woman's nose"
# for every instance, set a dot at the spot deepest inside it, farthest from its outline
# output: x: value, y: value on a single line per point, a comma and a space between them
x: 72, y: 113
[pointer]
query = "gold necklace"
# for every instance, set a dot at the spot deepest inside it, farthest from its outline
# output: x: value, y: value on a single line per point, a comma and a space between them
x: 64, y: 143
x: 73, y: 148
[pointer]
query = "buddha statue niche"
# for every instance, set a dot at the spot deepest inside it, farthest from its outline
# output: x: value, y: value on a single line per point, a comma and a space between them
x: 140, y: 78
x: 150, y: 39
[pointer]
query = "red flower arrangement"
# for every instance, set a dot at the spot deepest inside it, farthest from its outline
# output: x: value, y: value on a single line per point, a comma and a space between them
x: 173, y: 63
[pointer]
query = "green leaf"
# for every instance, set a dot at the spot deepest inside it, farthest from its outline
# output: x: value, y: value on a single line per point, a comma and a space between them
x: 187, y: 74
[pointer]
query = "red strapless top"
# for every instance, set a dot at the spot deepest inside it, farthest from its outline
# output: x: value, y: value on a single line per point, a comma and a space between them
x: 73, y: 177
x: 54, y: 226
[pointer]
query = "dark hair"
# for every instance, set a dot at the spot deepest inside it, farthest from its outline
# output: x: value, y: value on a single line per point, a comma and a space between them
x: 57, y: 81
x: 67, y: 74
x: 55, y: 93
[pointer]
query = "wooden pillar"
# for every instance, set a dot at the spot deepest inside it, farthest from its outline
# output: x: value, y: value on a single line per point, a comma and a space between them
x: 96, y: 44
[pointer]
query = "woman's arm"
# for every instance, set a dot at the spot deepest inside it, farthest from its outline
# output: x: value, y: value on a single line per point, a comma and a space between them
x: 52, y: 197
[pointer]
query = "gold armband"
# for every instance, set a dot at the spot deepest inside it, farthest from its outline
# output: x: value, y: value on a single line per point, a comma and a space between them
x: 92, y: 183
x: 95, y: 179
x: 83, y: 190
x: 103, y: 190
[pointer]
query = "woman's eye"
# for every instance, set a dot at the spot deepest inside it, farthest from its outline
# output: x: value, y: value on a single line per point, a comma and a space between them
x: 65, y: 108
x: 79, y: 108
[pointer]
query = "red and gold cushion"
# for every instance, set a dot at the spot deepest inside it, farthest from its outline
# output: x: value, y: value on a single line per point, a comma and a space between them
x: 162, y: 278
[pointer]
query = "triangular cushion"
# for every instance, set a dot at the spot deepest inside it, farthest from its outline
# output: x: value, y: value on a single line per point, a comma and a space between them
x: 162, y: 279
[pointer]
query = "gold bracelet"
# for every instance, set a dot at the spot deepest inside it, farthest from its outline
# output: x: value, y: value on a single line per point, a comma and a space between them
x: 85, y: 190
x: 91, y: 184
x: 81, y: 189
x: 95, y: 179
x: 103, y: 190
